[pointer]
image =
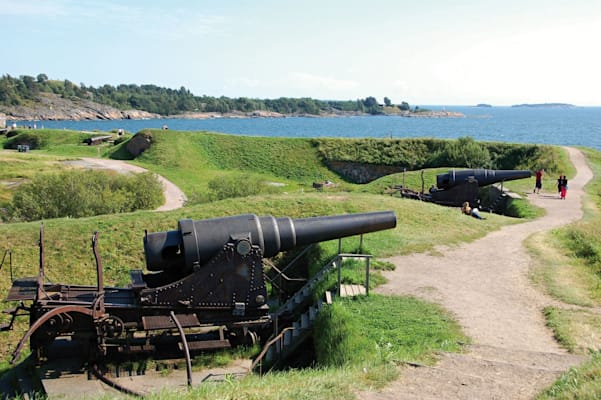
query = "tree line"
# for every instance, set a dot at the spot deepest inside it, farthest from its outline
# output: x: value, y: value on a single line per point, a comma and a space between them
x: 25, y: 90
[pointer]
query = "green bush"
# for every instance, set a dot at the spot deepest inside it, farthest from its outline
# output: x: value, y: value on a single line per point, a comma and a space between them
x: 78, y: 194
x: 237, y: 186
x: 463, y: 152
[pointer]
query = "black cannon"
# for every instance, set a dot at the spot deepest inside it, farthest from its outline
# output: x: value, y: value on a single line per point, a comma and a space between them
x: 456, y: 187
x: 205, y: 276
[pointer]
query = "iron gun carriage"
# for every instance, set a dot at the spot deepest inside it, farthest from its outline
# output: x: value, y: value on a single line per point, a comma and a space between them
x: 204, y: 288
x: 455, y: 187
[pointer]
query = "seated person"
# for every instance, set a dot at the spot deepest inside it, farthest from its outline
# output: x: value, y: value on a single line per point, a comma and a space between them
x: 474, y: 212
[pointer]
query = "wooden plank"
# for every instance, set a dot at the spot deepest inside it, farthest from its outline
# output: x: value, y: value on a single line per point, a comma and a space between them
x: 352, y: 290
x: 156, y: 322
x: 208, y: 344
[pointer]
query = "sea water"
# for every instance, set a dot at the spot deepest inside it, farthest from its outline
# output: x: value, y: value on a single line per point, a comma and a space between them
x: 574, y: 126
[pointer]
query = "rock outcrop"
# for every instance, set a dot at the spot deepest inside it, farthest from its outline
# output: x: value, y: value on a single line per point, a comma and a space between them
x: 52, y: 107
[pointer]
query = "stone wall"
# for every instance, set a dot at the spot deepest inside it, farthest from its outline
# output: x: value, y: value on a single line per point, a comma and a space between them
x: 361, y: 172
x: 137, y: 144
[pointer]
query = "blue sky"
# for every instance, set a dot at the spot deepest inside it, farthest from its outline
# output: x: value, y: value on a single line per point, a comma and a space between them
x: 421, y: 51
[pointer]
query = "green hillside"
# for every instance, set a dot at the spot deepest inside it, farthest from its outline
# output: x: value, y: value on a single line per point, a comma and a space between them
x: 192, y: 159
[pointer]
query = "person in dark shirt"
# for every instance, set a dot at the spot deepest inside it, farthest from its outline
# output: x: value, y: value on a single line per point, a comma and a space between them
x: 562, y: 186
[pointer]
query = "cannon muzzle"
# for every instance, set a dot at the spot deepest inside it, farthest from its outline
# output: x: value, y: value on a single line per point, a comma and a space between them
x: 484, y: 177
x: 197, y: 241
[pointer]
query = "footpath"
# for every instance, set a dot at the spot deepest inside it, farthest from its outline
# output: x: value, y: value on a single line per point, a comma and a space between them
x: 485, y: 285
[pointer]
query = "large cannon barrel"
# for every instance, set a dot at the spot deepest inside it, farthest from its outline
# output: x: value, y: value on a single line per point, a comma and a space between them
x: 197, y: 241
x: 484, y: 177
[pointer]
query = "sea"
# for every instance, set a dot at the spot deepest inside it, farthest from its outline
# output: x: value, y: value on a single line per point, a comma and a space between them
x: 574, y: 126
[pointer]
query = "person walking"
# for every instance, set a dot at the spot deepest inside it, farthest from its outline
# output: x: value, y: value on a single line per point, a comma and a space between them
x: 564, y: 187
x: 559, y: 181
x: 539, y: 181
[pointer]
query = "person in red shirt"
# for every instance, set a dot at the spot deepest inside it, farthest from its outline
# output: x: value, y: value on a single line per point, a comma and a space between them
x: 539, y: 181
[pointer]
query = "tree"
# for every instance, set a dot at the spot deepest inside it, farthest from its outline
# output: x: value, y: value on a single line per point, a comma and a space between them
x: 41, y: 78
x: 387, y: 102
x: 404, y: 106
x: 372, y: 106
x: 9, y: 93
x: 370, y: 102
x: 466, y: 152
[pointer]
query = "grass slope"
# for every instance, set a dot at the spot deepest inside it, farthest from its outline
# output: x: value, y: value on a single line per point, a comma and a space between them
x: 192, y: 159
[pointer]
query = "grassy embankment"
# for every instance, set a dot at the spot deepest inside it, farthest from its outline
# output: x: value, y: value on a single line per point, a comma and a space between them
x: 192, y: 160
x: 569, y: 269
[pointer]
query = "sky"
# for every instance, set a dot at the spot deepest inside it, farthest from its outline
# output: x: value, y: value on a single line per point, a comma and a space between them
x: 424, y: 52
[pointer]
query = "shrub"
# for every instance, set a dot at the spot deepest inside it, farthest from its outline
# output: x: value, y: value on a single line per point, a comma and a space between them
x: 237, y: 186
x: 465, y: 152
x: 78, y: 194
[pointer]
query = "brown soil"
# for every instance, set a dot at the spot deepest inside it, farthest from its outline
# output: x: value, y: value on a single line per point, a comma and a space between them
x: 485, y: 285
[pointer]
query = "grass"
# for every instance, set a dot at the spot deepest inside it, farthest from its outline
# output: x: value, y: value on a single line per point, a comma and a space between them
x: 379, y: 330
x: 568, y: 268
x: 558, y: 274
x: 579, y: 331
x: 17, y: 168
x: 401, y: 329
x: 179, y: 156
x: 580, y: 383
x: 301, y: 384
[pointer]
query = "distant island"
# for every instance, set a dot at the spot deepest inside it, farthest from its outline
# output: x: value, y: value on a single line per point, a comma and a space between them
x: 546, y: 105
x: 483, y: 105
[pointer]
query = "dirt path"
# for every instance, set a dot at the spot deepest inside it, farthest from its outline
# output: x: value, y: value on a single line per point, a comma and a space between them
x: 174, y: 197
x: 485, y: 284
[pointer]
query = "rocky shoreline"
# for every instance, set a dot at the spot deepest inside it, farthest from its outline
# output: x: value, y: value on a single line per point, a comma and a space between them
x: 50, y: 107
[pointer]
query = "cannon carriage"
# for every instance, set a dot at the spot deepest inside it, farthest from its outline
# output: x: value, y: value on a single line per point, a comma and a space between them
x: 204, y: 288
x: 458, y: 186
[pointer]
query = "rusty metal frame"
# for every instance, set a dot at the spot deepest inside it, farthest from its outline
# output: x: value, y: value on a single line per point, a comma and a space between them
x: 43, y: 319
x: 185, y: 345
x: 99, y: 276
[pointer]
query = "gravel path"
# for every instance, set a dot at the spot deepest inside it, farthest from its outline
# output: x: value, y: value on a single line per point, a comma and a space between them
x: 174, y: 197
x: 485, y: 284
